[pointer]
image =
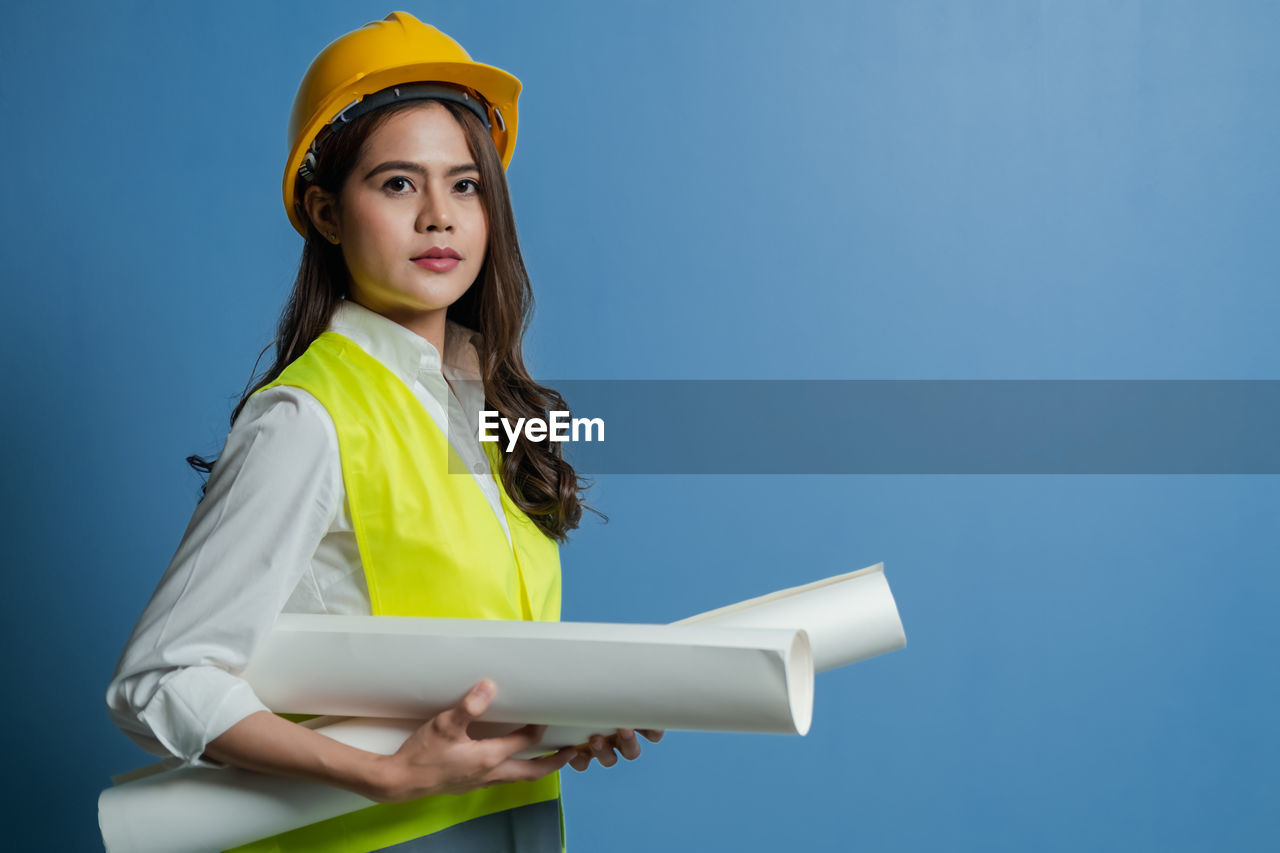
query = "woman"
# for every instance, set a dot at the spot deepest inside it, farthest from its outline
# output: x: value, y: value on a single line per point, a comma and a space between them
x: 333, y: 493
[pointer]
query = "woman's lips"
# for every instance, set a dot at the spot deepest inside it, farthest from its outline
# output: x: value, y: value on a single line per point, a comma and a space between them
x: 437, y: 264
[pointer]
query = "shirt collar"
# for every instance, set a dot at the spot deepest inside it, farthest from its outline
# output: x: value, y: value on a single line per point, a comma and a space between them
x: 405, y: 352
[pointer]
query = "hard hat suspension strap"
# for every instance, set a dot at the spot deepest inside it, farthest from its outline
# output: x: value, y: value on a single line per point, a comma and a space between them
x: 402, y: 92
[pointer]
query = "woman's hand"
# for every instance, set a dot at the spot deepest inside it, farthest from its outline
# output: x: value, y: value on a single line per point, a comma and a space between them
x: 602, y: 748
x: 440, y: 758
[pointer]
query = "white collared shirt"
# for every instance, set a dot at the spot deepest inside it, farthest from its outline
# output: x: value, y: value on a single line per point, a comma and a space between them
x: 273, y: 534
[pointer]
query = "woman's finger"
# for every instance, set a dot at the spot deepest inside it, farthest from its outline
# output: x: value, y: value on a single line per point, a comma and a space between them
x: 628, y: 746
x: 505, y: 746
x: 453, y: 722
x: 602, y: 749
x: 652, y: 735
x: 523, y: 770
x: 581, y: 759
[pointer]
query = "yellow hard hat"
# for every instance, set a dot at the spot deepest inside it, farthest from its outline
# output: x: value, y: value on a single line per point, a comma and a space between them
x: 381, y: 57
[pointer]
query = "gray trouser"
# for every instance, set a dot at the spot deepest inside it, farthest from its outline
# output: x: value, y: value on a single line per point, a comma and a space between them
x: 533, y: 828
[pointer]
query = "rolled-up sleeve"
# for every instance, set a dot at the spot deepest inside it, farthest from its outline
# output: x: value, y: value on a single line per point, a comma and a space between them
x: 272, y: 496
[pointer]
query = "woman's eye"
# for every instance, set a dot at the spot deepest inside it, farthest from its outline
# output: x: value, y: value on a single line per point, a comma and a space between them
x: 467, y: 186
x: 397, y: 181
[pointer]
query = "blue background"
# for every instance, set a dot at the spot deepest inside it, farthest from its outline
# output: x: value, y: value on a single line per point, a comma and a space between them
x: 964, y: 190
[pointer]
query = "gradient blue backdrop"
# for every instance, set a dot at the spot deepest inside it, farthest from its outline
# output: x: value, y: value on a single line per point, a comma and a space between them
x: 821, y: 190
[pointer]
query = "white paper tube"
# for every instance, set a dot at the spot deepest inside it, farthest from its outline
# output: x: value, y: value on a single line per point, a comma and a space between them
x: 197, y: 810
x: 203, y: 810
x: 601, y: 676
x: 595, y: 676
x: 848, y: 618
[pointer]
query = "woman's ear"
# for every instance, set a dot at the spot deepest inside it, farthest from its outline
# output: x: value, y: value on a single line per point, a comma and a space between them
x: 322, y: 207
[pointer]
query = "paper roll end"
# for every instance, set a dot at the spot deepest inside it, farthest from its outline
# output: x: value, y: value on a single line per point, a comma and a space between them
x: 107, y: 837
x: 800, y: 682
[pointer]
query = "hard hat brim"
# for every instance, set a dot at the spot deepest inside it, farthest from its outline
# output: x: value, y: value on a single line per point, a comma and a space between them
x: 496, y: 86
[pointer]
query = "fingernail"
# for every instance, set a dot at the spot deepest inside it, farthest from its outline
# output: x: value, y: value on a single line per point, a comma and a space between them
x: 476, y: 699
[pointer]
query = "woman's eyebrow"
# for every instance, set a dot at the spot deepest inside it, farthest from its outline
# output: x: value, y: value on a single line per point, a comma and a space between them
x: 408, y: 166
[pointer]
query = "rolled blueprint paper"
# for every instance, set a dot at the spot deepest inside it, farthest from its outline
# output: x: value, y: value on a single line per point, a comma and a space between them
x: 597, y: 676
x: 197, y: 809
x: 205, y: 810
x: 848, y: 618
x: 602, y: 676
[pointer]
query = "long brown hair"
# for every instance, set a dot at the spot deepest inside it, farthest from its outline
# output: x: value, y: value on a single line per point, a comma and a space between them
x: 498, y: 305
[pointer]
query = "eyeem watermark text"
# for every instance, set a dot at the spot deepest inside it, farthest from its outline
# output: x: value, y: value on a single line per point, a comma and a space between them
x: 558, y: 427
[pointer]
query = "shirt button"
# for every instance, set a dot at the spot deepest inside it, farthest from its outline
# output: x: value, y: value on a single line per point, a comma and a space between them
x: 479, y: 468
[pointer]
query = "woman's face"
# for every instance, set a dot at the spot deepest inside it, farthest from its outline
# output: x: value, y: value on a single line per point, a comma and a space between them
x: 415, y: 190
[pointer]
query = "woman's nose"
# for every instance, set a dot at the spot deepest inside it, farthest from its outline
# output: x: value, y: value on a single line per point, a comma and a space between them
x: 435, y: 214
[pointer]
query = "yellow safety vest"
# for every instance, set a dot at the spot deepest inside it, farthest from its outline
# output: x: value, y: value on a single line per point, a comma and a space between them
x: 431, y: 546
